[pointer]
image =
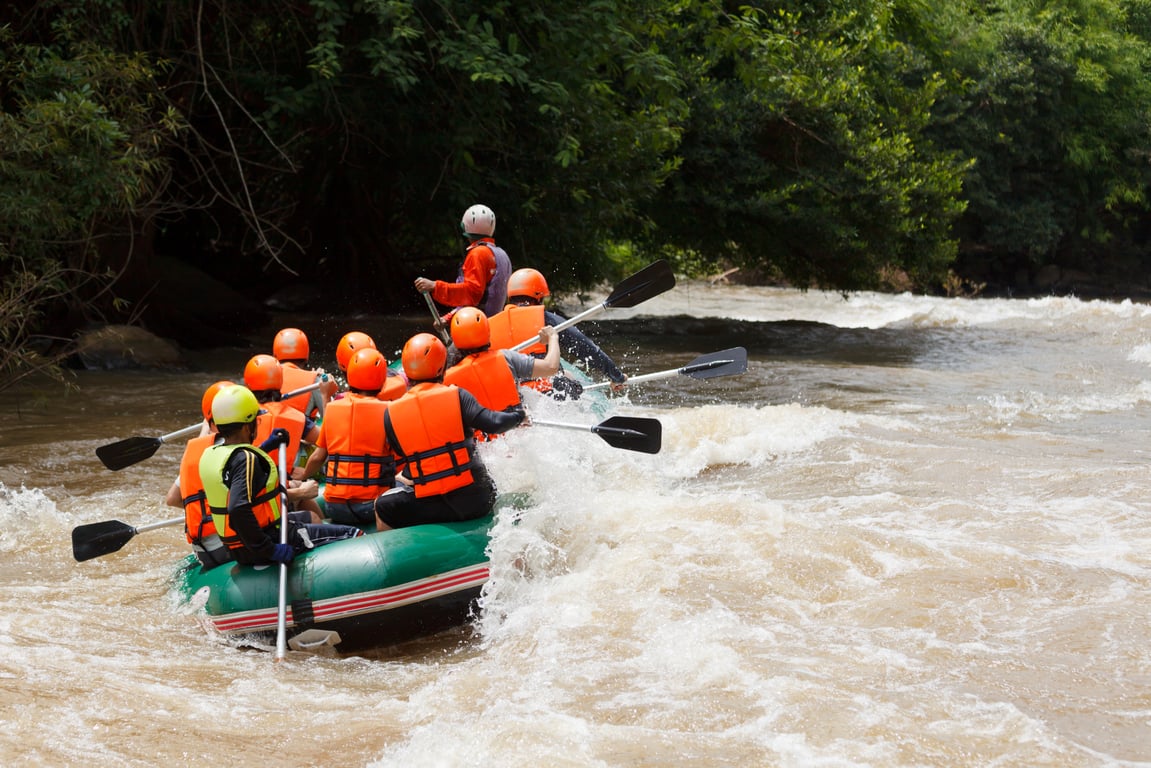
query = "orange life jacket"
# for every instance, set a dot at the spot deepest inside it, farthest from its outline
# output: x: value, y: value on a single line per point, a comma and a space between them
x: 298, y: 378
x: 425, y: 428
x: 394, y: 387
x: 278, y: 415
x: 517, y: 324
x: 359, y: 466
x: 198, y: 523
x: 488, y: 376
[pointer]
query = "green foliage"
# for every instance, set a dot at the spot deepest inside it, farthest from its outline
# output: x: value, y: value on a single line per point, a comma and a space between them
x: 81, y: 147
x: 845, y: 143
x: 1051, y: 100
x: 805, y: 149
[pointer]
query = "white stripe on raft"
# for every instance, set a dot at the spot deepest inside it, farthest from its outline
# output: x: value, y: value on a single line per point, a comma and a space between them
x: 360, y: 602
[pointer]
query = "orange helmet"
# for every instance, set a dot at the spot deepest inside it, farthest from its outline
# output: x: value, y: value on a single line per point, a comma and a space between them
x: 528, y: 282
x: 263, y: 372
x: 290, y: 344
x: 367, y: 369
x: 209, y: 393
x: 470, y: 328
x: 423, y: 357
x: 348, y: 345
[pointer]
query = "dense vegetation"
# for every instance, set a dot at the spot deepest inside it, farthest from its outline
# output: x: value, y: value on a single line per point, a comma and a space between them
x: 847, y: 144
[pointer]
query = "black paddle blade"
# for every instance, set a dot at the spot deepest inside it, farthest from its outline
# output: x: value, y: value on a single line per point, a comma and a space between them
x: 729, y: 362
x: 631, y: 433
x: 650, y: 281
x: 96, y: 539
x: 128, y: 452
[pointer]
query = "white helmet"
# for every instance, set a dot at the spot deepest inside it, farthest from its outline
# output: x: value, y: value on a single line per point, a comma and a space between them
x: 478, y: 220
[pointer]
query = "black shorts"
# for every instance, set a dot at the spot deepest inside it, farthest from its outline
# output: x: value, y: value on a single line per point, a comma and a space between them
x: 351, y: 512
x: 401, y: 509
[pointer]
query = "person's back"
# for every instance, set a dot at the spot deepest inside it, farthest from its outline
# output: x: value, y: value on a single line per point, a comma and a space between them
x: 483, y: 275
x: 425, y: 429
x: 264, y: 376
x: 358, y: 465
x: 527, y: 290
x: 291, y: 349
x: 243, y: 488
x: 515, y: 324
x: 487, y: 375
x: 187, y: 492
x: 430, y: 430
x: 493, y: 376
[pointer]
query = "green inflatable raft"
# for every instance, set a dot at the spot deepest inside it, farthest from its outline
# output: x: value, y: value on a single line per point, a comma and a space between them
x: 374, y: 590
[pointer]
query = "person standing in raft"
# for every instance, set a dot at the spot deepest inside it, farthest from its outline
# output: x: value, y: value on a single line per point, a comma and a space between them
x: 483, y: 277
x: 188, y: 491
x: 358, y: 466
x: 290, y: 347
x: 430, y: 430
x: 493, y: 376
x: 525, y: 314
x: 242, y: 487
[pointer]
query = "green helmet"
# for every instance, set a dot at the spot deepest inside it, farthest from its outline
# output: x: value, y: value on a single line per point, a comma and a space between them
x: 234, y: 405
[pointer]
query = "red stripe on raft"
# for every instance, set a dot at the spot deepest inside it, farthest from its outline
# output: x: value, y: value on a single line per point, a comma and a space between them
x: 358, y: 603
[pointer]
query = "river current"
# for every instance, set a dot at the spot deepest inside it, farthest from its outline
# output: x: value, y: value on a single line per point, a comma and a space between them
x: 914, y: 533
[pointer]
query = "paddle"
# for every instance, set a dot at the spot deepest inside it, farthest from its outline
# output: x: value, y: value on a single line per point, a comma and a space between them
x: 729, y: 362
x: 627, y: 432
x: 282, y: 605
x: 97, y: 539
x: 436, y: 322
x: 650, y: 281
x: 133, y: 450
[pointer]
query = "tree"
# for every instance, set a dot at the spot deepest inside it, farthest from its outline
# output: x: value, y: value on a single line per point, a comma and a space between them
x: 1051, y: 101
x: 806, y: 151
x: 81, y: 155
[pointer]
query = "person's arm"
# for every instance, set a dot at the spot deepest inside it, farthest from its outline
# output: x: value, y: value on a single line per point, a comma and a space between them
x: 302, y: 490
x: 475, y: 416
x: 549, y: 364
x: 246, y: 474
x: 311, y: 431
x: 314, y: 463
x: 577, y: 346
x: 174, y: 499
x: 479, y: 266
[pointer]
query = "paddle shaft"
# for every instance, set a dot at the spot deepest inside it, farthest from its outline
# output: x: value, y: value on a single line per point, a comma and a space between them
x: 685, y: 371
x: 436, y: 322
x: 190, y: 430
x: 592, y: 312
x: 282, y: 604
x: 627, y: 432
x: 729, y: 362
x: 650, y: 281
x: 161, y: 524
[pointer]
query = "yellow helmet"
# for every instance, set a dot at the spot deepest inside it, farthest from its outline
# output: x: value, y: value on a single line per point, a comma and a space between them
x: 234, y: 405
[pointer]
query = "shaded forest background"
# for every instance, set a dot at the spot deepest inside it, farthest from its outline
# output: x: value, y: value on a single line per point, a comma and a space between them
x: 950, y: 148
